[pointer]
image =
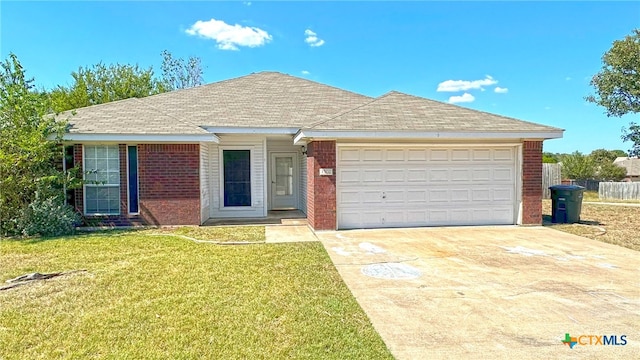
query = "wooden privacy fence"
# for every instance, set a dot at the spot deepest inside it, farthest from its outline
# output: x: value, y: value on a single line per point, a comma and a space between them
x: 550, y: 176
x: 619, y: 190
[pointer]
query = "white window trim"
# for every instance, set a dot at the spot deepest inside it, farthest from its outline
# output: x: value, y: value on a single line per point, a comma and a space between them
x: 251, y: 177
x: 137, y: 182
x: 84, y: 186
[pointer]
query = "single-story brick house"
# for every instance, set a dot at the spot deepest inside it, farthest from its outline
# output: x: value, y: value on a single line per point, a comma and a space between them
x: 267, y: 141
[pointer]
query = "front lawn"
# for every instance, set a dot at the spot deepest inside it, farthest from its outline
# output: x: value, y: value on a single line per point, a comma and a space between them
x: 161, y: 296
x: 614, y: 224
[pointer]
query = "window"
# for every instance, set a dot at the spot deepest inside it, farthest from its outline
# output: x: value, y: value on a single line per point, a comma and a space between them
x: 237, y: 177
x: 102, y: 180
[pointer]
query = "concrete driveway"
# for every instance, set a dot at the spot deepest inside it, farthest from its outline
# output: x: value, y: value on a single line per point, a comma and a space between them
x: 492, y: 292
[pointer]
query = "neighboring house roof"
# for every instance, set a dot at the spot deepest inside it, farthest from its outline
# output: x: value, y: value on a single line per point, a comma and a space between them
x: 631, y: 164
x: 271, y: 100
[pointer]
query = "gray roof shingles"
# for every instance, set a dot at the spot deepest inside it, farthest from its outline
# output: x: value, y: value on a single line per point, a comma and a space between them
x: 271, y: 99
x: 396, y: 111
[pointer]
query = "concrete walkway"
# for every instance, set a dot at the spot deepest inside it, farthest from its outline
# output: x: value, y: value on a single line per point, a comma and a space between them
x: 491, y: 292
x: 288, y: 233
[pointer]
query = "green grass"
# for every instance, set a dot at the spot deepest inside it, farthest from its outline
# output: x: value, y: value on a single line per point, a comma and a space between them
x: 146, y: 296
x: 216, y: 233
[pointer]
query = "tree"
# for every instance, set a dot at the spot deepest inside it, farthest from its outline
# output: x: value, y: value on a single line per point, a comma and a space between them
x: 549, y: 158
x: 601, y: 156
x: 577, y: 166
x: 101, y: 84
x: 617, y: 85
x: 610, y: 172
x: 178, y: 74
x: 30, y: 147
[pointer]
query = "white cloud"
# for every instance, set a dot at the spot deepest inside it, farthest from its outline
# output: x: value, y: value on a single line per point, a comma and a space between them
x: 500, y: 90
x: 464, y: 98
x: 229, y: 37
x: 464, y: 85
x: 312, y: 38
x: 305, y: 72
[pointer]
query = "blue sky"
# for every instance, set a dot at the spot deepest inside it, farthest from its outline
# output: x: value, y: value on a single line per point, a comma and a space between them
x: 528, y: 60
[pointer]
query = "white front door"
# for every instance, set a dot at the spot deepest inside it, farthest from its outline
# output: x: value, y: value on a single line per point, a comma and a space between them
x: 284, y: 181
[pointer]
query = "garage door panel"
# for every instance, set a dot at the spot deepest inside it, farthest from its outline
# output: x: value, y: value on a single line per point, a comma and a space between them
x: 372, y: 155
x: 481, y: 155
x: 417, y: 154
x: 460, y: 155
x: 395, y: 176
x: 438, y: 155
x: 438, y: 175
x: 503, y: 155
x: 349, y: 176
x: 349, y: 155
x: 395, y: 155
x: 408, y: 186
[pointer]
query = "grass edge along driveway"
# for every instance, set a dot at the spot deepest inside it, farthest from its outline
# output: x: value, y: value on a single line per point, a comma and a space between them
x: 146, y: 296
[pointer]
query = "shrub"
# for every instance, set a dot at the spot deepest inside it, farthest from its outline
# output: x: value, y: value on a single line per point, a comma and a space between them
x: 48, y: 217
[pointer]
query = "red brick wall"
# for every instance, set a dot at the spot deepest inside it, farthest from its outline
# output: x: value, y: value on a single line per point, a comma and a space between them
x: 169, y: 183
x: 532, y: 183
x: 321, y: 190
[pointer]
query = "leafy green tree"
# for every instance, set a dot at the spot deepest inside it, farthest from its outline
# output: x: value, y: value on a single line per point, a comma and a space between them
x: 617, y: 85
x: 610, y: 172
x: 601, y: 156
x: 180, y: 74
x: 101, y: 84
x: 30, y: 147
x: 549, y: 158
x: 578, y: 166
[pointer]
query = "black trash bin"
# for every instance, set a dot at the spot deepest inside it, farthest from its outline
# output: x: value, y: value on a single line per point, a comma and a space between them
x: 566, y: 203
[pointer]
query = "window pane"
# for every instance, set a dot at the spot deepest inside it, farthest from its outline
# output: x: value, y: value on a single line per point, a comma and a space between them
x: 237, y: 177
x: 90, y: 164
x: 101, y: 152
x: 113, y: 152
x: 114, y: 178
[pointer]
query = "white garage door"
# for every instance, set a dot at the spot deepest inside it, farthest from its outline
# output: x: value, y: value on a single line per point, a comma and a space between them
x: 420, y: 186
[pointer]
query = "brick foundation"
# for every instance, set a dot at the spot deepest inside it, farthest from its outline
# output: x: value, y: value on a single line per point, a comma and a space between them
x: 321, y: 190
x: 532, y: 183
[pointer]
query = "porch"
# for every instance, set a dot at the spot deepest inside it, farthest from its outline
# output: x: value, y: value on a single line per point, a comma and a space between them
x: 274, y: 217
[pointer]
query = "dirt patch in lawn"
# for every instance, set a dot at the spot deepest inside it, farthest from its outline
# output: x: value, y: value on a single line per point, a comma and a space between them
x: 620, y: 223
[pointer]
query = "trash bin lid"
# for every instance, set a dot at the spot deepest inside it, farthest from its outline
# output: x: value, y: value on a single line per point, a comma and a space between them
x: 566, y: 187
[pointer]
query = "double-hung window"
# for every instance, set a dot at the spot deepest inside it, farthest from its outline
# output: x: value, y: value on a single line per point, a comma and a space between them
x: 102, y: 180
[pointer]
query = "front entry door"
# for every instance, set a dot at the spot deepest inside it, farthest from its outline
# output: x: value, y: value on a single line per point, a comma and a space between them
x: 284, y: 181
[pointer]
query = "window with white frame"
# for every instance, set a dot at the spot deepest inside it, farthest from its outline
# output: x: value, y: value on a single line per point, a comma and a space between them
x: 102, y: 180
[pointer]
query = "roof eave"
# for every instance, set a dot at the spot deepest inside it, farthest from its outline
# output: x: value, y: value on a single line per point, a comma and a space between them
x: 142, y: 138
x: 307, y: 135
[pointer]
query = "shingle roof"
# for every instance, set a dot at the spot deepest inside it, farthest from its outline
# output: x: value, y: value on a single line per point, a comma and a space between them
x: 265, y: 99
x: 130, y: 116
x: 396, y: 111
x: 271, y: 99
x: 631, y: 164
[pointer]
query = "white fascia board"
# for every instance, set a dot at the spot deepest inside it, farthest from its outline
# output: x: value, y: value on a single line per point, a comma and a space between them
x: 313, y: 134
x: 142, y: 138
x: 250, y: 130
